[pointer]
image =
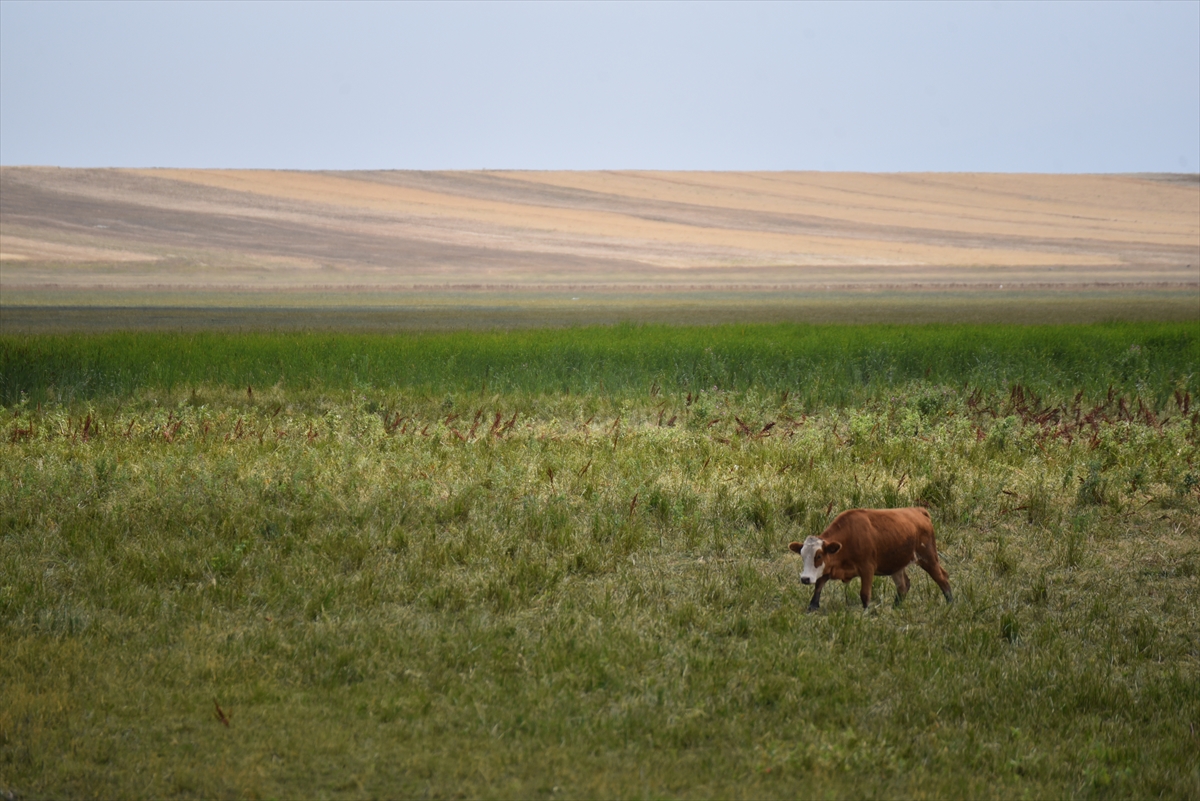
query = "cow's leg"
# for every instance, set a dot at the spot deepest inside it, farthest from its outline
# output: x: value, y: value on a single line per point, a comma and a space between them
x: 901, y: 581
x: 815, y: 603
x: 868, y: 576
x: 930, y: 564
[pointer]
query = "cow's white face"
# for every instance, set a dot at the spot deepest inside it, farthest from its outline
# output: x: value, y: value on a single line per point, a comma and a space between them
x: 814, y: 565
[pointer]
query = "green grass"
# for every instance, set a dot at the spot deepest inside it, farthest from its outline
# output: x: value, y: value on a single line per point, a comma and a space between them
x: 394, y: 585
x: 826, y: 364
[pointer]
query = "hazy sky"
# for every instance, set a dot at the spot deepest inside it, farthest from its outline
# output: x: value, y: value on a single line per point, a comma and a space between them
x: 1070, y: 87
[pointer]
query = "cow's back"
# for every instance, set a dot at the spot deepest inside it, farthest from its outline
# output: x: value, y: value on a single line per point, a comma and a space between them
x: 889, y: 538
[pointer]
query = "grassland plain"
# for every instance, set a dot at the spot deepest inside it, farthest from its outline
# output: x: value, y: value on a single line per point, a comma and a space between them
x: 65, y: 312
x: 553, y: 563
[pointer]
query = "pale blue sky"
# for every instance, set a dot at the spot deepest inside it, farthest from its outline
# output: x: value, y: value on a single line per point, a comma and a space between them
x: 1028, y: 87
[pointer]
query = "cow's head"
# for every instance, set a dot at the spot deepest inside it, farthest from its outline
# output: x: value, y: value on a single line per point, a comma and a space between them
x: 813, y: 551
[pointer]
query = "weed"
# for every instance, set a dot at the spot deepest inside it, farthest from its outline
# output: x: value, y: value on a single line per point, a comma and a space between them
x: 1093, y: 488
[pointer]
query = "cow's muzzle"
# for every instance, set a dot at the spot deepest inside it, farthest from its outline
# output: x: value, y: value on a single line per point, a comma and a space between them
x: 805, y: 580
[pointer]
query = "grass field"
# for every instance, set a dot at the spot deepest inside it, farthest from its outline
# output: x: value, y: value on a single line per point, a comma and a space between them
x: 509, y: 310
x: 554, y: 563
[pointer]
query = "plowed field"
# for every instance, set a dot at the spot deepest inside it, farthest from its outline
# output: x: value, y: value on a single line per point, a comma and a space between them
x: 221, y: 238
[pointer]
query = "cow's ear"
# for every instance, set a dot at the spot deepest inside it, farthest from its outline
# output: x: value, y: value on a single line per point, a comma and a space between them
x: 831, y: 547
x: 795, y: 547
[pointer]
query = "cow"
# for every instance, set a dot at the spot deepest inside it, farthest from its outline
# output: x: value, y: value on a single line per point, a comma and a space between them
x: 864, y: 543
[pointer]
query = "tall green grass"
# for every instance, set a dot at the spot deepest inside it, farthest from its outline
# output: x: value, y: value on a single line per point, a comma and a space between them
x: 827, y: 364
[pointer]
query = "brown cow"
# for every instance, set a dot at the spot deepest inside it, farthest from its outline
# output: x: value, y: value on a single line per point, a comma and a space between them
x: 865, y: 542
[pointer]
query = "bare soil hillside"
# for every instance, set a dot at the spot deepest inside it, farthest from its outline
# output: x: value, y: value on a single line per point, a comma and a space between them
x: 126, y: 237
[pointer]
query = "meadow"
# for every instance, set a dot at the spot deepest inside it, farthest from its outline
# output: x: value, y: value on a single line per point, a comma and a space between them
x: 553, y: 563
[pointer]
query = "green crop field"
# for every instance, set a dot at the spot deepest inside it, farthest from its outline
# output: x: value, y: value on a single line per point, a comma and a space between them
x: 553, y: 563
